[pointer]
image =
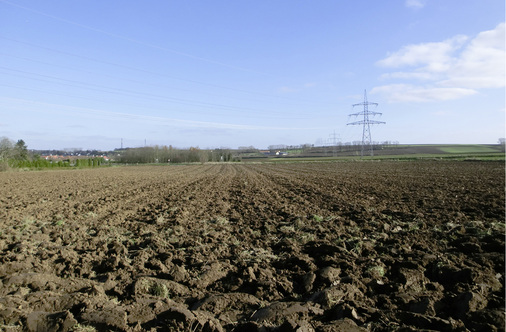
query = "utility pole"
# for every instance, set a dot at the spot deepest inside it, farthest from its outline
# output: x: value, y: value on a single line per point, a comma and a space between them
x: 366, y: 123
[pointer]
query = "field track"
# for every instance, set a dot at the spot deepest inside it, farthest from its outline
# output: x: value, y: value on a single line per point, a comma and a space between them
x: 370, y: 246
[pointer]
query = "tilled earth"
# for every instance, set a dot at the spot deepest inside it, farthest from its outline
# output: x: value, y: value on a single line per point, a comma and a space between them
x: 347, y: 246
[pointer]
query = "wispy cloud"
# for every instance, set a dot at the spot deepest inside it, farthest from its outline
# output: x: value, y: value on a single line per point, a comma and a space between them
x: 287, y: 89
x: 414, y: 93
x: 451, y: 69
x: 416, y: 4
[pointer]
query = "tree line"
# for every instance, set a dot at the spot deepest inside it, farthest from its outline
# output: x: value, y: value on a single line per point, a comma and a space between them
x: 15, y: 155
x: 168, y: 154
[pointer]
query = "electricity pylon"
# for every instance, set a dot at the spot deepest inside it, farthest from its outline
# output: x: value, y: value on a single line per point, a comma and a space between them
x: 333, y: 139
x: 366, y: 123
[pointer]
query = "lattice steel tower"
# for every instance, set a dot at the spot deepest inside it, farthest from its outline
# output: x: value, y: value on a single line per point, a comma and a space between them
x: 366, y: 123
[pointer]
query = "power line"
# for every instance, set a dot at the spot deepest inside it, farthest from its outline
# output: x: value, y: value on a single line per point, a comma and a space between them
x: 143, y: 83
x: 110, y: 90
x: 132, y: 40
x: 64, y: 109
x: 294, y: 100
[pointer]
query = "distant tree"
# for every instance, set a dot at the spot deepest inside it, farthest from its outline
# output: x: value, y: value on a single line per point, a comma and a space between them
x: 203, y: 156
x: 250, y: 148
x: 277, y: 147
x: 193, y: 155
x: 20, y: 150
x: 6, y: 147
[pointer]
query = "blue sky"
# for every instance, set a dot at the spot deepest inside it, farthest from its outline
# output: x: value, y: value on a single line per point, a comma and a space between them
x: 88, y: 74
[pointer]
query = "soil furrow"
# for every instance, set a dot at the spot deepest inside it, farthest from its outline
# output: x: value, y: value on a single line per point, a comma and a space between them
x: 363, y: 246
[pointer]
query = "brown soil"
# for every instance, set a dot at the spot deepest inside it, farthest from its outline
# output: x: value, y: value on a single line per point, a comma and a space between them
x: 357, y: 246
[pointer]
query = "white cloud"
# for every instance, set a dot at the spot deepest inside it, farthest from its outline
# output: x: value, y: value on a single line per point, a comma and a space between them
x: 413, y: 93
x: 454, y: 68
x: 416, y: 4
x: 434, y: 56
x: 482, y: 63
x: 419, y: 75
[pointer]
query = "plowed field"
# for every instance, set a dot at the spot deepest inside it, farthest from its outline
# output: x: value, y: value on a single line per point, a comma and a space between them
x: 350, y: 246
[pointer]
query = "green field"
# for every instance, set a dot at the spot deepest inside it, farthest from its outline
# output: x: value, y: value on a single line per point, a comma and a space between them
x: 475, y: 148
x: 400, y: 152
